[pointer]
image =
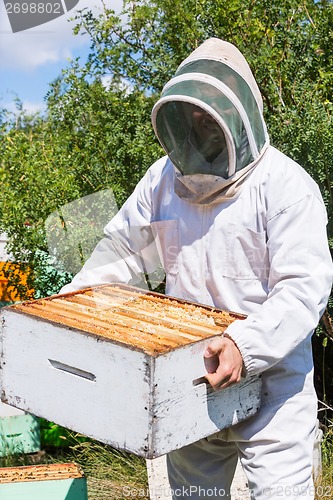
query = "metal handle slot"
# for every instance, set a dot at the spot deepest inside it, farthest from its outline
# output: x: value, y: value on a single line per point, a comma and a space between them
x: 73, y: 370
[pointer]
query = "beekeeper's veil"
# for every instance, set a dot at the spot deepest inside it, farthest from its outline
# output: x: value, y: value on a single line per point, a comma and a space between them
x: 209, y: 121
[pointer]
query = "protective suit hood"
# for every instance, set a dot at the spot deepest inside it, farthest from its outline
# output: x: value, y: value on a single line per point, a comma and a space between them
x: 209, y: 121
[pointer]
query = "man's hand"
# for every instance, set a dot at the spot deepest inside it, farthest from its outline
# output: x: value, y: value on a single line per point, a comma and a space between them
x: 223, y: 362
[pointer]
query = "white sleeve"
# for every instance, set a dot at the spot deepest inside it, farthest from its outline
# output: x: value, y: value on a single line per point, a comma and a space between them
x: 300, y: 280
x: 128, y: 249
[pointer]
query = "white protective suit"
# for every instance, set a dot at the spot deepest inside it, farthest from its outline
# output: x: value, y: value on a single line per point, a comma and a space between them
x: 251, y: 239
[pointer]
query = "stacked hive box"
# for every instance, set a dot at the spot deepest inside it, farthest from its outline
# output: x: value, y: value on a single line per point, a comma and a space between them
x: 121, y: 365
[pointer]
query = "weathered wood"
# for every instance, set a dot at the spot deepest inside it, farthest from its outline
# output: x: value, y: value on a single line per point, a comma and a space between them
x: 134, y: 388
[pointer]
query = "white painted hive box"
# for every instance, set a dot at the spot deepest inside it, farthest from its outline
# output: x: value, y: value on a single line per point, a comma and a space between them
x: 122, y: 366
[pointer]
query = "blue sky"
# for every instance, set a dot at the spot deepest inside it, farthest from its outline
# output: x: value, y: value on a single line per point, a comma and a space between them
x: 30, y: 60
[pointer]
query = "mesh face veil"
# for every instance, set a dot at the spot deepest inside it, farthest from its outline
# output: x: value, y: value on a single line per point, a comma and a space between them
x: 209, y: 121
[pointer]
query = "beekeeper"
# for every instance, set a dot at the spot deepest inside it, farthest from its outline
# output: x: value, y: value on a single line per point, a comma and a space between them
x: 237, y: 225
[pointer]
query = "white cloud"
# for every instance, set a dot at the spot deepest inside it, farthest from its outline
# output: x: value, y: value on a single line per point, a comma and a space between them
x: 51, y: 42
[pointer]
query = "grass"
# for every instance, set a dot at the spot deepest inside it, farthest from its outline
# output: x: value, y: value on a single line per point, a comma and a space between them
x: 111, y: 474
x: 108, y: 471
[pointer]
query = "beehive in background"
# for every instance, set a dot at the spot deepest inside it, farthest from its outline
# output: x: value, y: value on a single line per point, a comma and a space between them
x: 43, y: 482
x: 19, y: 432
x: 121, y: 365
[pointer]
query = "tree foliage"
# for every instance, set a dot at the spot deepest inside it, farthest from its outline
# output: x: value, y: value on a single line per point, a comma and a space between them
x: 287, y: 43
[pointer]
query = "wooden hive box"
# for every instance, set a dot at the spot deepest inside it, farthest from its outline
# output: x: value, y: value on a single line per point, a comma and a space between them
x: 120, y: 365
x: 43, y: 482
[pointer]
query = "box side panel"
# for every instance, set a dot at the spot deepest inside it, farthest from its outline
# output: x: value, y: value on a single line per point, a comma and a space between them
x: 65, y: 489
x: 81, y: 382
x: 187, y: 409
x: 19, y: 434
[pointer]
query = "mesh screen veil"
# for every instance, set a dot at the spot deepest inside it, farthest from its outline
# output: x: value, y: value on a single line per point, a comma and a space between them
x: 209, y: 116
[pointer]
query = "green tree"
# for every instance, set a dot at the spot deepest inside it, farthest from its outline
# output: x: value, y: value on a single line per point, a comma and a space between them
x: 288, y: 46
